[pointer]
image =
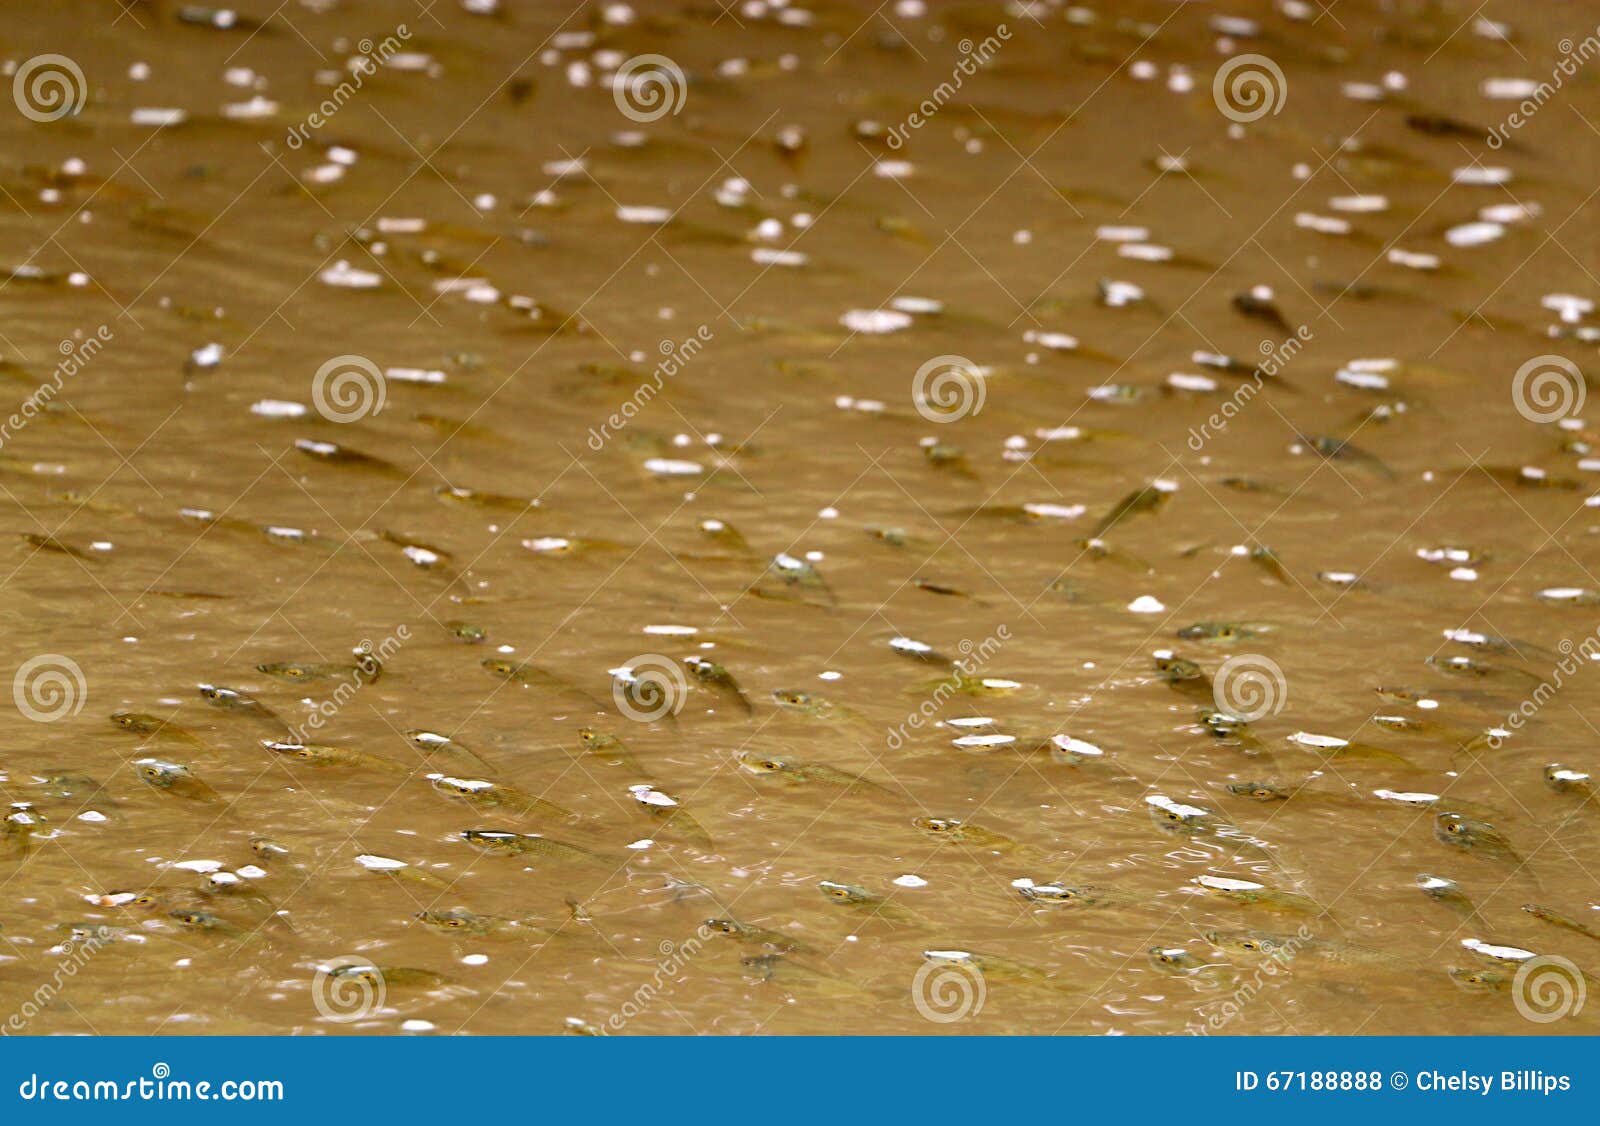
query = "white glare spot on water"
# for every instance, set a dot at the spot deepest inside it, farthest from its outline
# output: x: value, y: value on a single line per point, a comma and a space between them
x: 474, y: 959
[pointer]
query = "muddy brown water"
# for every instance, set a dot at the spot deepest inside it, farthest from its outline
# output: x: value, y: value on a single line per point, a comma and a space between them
x: 473, y: 183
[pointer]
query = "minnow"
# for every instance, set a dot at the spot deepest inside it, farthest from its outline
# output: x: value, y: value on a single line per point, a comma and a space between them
x: 951, y: 458
x: 796, y: 700
x: 495, y: 795
x: 867, y: 902
x: 450, y: 494
x: 1224, y: 631
x: 389, y: 977
x: 920, y: 651
x: 207, y: 923
x: 724, y: 534
x: 365, y: 668
x: 1573, y: 783
x: 962, y: 832
x: 1335, y: 449
x: 1284, y: 947
x: 528, y: 674
x: 175, y: 779
x: 1144, y: 500
x: 757, y: 936
x: 1471, y: 833
x: 1253, y: 894
x: 1257, y: 303
x: 397, y: 869
x: 1183, y: 675
x: 1068, y: 750
x: 321, y: 754
x: 332, y: 453
x: 1445, y: 891
x: 1194, y: 820
x: 967, y: 685
x: 460, y: 920
x: 1331, y: 747
x: 713, y: 675
x: 1556, y: 919
x: 432, y: 744
x: 808, y: 772
x: 146, y: 726
x: 1267, y: 559
x: 422, y: 554
x: 231, y: 700
x: 801, y: 573
x: 670, y: 814
x: 1231, y: 730
x: 1176, y: 959
x: 609, y: 748
x: 502, y: 843
x: 1066, y: 895
x: 467, y: 632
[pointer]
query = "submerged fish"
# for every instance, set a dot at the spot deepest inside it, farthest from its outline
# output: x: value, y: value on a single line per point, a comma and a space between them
x: 499, y: 842
x: 867, y: 902
x: 175, y: 779
x: 756, y: 936
x: 713, y: 675
x: 1478, y: 836
x: 496, y: 795
x: 816, y: 773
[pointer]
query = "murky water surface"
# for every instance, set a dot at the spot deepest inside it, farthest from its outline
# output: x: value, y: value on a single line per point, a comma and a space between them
x: 856, y: 380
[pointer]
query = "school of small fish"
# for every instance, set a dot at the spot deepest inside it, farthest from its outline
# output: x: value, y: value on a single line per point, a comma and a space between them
x: 800, y: 517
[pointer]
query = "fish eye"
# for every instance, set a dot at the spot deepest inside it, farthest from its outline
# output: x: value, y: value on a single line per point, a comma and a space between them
x: 145, y: 900
x: 1250, y: 944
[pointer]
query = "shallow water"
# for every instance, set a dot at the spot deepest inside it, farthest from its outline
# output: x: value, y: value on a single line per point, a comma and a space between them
x: 443, y: 182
